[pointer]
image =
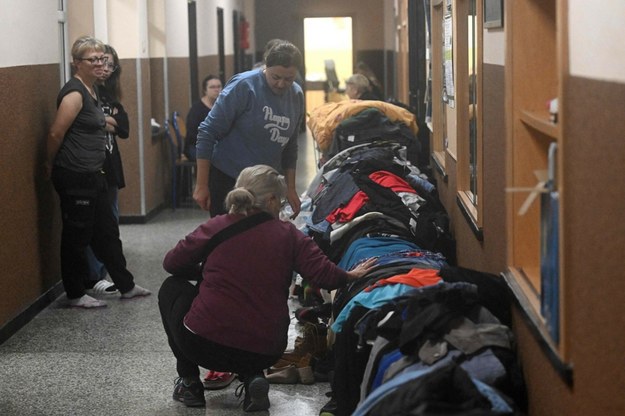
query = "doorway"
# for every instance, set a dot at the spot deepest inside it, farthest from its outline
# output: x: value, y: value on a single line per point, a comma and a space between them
x: 328, y: 58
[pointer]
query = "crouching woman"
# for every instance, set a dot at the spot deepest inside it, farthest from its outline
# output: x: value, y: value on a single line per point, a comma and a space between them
x: 236, y: 318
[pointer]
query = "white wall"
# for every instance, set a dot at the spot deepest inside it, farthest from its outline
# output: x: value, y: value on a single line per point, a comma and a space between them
x: 596, y: 33
x: 494, y: 44
x: 207, y: 27
x: 29, y: 32
x: 176, y: 29
x: 128, y: 27
x: 206, y: 11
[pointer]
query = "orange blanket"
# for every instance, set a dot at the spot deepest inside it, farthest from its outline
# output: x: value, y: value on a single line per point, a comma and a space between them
x: 323, y: 120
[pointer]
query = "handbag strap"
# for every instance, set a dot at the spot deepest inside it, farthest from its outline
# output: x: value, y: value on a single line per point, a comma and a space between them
x: 236, y: 228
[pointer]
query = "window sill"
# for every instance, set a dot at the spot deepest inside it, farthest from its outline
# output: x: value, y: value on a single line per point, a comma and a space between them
x: 469, y: 212
x: 438, y: 159
x: 528, y: 301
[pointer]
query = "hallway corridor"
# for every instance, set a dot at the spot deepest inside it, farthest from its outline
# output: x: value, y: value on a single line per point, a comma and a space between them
x: 115, y: 360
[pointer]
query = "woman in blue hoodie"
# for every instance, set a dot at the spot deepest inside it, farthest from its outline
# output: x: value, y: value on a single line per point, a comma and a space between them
x: 256, y: 120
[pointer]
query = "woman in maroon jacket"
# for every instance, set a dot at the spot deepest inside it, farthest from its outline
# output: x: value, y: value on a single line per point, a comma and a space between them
x: 237, y: 317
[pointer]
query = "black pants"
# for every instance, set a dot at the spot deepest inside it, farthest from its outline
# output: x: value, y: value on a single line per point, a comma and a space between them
x: 191, y: 350
x: 88, y: 219
x: 219, y: 185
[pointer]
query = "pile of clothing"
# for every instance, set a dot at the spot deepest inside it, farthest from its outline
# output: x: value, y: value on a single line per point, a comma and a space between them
x: 339, y: 125
x: 417, y: 335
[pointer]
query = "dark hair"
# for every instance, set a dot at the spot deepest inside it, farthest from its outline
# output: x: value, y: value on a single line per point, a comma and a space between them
x: 205, y: 81
x: 270, y: 44
x: 112, y: 84
x: 283, y: 53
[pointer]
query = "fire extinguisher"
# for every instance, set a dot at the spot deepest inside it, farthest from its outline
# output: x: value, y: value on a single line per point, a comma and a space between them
x: 244, y: 28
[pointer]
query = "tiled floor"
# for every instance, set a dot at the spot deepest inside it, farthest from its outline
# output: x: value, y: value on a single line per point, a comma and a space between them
x: 116, y: 361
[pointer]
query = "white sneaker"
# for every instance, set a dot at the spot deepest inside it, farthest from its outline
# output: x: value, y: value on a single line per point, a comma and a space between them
x: 136, y: 291
x: 103, y: 287
x: 86, y: 302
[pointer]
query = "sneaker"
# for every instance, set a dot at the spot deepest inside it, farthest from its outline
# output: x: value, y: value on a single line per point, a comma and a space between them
x: 216, y: 380
x: 256, y: 394
x: 86, y: 302
x: 136, y: 292
x: 102, y: 287
x: 330, y: 408
x: 192, y: 395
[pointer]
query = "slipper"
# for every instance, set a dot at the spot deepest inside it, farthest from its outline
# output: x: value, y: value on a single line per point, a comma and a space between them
x: 102, y: 287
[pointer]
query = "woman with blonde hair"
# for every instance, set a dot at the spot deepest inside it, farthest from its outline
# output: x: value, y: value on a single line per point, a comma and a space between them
x: 236, y: 319
x: 358, y: 87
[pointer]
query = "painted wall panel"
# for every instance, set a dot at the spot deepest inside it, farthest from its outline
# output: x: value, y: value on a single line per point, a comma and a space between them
x: 596, y: 35
x: 28, y: 33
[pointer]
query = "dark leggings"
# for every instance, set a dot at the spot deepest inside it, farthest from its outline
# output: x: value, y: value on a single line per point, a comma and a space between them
x: 219, y: 185
x: 191, y: 350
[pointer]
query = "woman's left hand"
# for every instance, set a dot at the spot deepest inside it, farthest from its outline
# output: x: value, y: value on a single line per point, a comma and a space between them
x: 362, y: 269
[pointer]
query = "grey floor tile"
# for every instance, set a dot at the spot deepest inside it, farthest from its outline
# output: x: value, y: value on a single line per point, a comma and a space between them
x: 115, y: 360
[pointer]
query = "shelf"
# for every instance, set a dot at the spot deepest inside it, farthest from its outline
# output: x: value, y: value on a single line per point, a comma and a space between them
x: 529, y: 305
x: 540, y: 121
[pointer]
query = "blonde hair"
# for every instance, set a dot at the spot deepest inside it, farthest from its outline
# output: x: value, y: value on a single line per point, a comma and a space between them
x: 361, y: 83
x: 253, y: 189
x: 85, y: 44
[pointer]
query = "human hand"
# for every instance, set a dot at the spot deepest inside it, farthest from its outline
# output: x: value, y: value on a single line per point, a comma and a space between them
x: 362, y: 269
x: 294, y: 201
x: 202, y: 196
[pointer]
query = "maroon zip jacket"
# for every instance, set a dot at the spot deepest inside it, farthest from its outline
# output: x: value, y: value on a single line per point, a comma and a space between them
x: 242, y: 300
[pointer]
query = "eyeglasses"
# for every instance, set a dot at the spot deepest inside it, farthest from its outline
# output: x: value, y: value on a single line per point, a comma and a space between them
x: 95, y: 59
x: 112, y: 67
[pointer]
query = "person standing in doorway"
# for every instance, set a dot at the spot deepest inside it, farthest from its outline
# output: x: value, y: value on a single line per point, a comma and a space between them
x: 75, y: 155
x: 256, y: 120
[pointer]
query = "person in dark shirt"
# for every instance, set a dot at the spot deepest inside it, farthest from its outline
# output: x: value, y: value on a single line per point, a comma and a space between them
x: 211, y: 87
x: 75, y: 155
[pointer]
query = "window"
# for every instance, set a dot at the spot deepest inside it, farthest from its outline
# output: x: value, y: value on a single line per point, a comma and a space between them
x: 441, y: 80
x: 469, y: 121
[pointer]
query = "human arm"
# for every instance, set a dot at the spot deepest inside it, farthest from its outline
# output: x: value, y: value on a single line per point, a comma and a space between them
x: 313, y: 265
x: 70, y: 106
x: 216, y: 125
x: 185, y: 257
x: 119, y: 121
x: 201, y: 193
x: 291, y: 192
x: 289, y: 164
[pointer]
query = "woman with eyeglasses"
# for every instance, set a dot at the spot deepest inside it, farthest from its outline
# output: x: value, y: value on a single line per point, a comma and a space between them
x: 211, y: 87
x: 76, y: 151
x: 117, y: 125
